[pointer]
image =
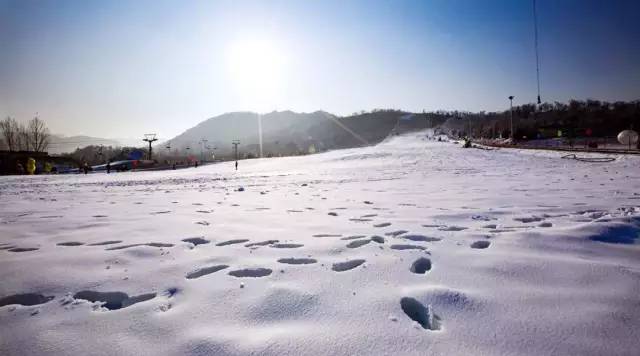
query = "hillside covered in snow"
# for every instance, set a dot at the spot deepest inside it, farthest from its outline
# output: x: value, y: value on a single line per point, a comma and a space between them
x: 409, y: 247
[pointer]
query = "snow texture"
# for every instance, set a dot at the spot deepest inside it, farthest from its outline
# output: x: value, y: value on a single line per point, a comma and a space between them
x: 410, y: 247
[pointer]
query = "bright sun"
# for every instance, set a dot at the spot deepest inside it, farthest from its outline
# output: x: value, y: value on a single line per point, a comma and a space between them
x: 256, y: 69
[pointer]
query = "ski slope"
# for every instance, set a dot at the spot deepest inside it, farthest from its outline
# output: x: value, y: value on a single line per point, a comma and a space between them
x: 410, y: 247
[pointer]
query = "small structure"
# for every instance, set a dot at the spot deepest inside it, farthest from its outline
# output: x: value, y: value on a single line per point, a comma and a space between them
x: 15, y: 162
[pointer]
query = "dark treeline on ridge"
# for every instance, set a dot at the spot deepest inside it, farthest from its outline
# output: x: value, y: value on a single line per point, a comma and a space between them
x: 288, y: 133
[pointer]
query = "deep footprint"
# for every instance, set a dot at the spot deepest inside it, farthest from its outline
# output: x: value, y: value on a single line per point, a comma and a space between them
x: 395, y: 233
x: 347, y: 265
x: 70, y: 243
x: 287, y: 245
x: 205, y: 271
x: 382, y: 224
x: 420, y: 314
x: 232, y: 242
x: 23, y: 249
x: 111, y: 242
x: 261, y: 243
x: 353, y: 237
x: 358, y: 243
x: 480, y: 244
x: 150, y: 244
x: 251, y: 272
x: 421, y: 265
x: 297, y: 261
x: 420, y: 238
x: 26, y: 299
x: 407, y: 247
x: 196, y: 240
x: 113, y: 300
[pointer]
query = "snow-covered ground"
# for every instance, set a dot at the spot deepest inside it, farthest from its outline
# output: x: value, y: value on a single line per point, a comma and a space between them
x: 501, y: 252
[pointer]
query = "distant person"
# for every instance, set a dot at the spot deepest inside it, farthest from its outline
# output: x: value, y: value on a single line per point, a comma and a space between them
x: 108, y: 167
x: 196, y: 164
x: 31, y: 166
x: 236, y: 165
x: 174, y: 165
x: 85, y: 168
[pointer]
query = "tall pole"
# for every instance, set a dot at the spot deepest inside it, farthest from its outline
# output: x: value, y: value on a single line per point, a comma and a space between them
x: 511, y: 107
x: 203, y: 143
x: 235, y: 144
x: 150, y: 138
x: 535, y: 29
x: 260, y: 133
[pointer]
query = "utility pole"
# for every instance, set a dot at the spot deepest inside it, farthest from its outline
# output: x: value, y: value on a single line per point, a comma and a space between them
x: 203, y: 144
x: 511, y: 106
x: 235, y: 144
x: 150, y: 138
x: 260, y: 132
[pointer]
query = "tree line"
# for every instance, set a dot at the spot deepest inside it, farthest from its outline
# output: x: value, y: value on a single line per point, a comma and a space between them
x: 32, y: 136
x: 573, y: 119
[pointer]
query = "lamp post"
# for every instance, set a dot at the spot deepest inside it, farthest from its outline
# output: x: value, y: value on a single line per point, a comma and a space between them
x: 511, y: 106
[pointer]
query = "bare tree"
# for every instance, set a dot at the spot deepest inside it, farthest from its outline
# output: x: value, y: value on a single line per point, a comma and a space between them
x: 38, y: 135
x: 9, y: 128
x: 23, y: 138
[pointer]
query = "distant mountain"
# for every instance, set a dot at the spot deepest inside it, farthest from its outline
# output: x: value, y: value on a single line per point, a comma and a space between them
x: 66, y: 144
x: 287, y: 132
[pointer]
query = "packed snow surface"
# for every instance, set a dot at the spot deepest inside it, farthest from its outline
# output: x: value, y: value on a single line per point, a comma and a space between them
x: 410, y: 247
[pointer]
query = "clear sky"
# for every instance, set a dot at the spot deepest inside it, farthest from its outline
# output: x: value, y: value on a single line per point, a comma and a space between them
x: 123, y: 68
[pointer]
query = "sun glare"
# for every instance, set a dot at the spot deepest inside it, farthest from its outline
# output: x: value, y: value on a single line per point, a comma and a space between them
x: 256, y: 70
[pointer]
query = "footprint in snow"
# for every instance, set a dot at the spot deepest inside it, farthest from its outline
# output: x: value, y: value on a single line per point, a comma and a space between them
x: 26, y: 299
x: 102, y: 243
x: 261, y: 243
x: 528, y: 219
x: 452, y: 228
x: 353, y: 237
x: 205, y: 271
x: 385, y: 224
x: 113, y: 300
x: 480, y: 244
x: 23, y: 249
x: 297, y: 261
x: 150, y: 244
x: 347, y: 265
x: 420, y: 314
x: 70, y: 243
x: 196, y: 240
x: 287, y: 245
x: 395, y: 233
x: 358, y: 243
x: 407, y: 247
x: 160, y: 212
x: 416, y: 237
x: 421, y: 265
x: 232, y: 242
x: 251, y: 272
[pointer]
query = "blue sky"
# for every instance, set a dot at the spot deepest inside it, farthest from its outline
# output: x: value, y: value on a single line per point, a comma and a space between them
x: 123, y: 68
